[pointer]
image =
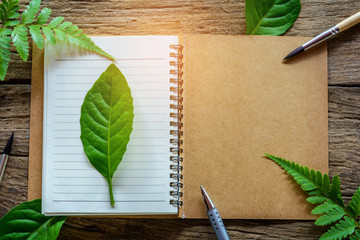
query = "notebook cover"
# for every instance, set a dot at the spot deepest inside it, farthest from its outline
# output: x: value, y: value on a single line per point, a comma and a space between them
x: 241, y: 102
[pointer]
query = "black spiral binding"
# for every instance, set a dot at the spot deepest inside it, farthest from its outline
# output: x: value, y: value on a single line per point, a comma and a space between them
x: 177, y: 125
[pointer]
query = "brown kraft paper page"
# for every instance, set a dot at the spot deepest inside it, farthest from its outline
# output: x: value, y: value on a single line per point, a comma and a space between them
x: 242, y: 102
x: 36, y: 120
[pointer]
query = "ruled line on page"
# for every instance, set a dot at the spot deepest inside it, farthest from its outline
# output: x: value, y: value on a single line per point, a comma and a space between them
x: 105, y: 185
x: 144, y: 201
x: 100, y: 59
x: 156, y: 177
x: 107, y: 193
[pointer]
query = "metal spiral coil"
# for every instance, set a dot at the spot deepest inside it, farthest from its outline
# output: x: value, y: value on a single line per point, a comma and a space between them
x: 176, y: 114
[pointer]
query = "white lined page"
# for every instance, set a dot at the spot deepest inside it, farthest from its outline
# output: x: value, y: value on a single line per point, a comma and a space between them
x: 141, y: 185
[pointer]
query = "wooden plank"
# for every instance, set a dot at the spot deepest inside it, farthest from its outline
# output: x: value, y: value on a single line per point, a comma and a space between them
x: 15, y: 116
x: 13, y: 188
x: 154, y: 229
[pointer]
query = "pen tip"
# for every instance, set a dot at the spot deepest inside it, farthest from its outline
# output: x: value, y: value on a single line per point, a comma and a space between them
x: 294, y: 53
x: 8, y: 144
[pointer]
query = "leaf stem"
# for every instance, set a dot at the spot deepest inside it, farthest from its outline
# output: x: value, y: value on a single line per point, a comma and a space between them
x: 109, y: 180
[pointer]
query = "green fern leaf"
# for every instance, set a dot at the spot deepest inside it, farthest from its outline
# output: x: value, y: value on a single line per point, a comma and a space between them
x: 354, y: 205
x: 325, y: 183
x: 304, y: 179
x: 14, y: 15
x: 32, y: 9
x: 341, y: 230
x: 55, y: 22
x: 60, y: 34
x: 3, y: 13
x: 36, y: 36
x: 20, y: 40
x: 356, y: 236
x: 317, y: 199
x: 5, y: 44
x: 64, y: 25
x: 8, y: 11
x: 11, y: 23
x: 66, y: 31
x: 325, y: 207
x: 330, y: 217
x: 49, y: 34
x: 13, y: 6
x: 43, y: 16
x: 335, y: 192
x: 313, y: 182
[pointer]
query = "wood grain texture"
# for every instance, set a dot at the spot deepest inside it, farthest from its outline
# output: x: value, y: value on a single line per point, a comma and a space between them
x: 140, y: 17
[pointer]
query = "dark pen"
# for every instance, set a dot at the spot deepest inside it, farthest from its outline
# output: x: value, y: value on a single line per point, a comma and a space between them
x: 5, y: 155
x: 214, y: 217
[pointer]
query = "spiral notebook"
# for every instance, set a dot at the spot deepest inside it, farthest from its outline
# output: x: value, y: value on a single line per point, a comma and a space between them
x: 206, y: 109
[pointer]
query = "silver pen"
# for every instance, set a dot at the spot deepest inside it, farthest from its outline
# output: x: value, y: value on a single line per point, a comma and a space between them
x: 5, y: 155
x: 214, y: 217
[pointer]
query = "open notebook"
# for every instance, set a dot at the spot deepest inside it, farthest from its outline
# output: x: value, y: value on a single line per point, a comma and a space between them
x: 206, y: 109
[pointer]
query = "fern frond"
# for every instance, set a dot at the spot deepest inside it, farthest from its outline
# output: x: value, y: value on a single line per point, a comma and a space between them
x: 313, y: 183
x: 36, y: 36
x: 354, y: 205
x: 3, y: 13
x: 317, y: 199
x: 29, y: 14
x: 325, y: 207
x: 49, y: 34
x: 330, y: 216
x: 66, y: 31
x: 8, y: 12
x: 43, y: 16
x: 356, y: 236
x: 20, y: 40
x: 5, y: 44
x: 341, y: 230
x: 335, y: 192
x: 55, y: 22
x: 13, y: 6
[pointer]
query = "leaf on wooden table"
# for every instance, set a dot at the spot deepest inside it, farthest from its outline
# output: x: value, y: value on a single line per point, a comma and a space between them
x: 106, y: 122
x: 270, y: 17
x: 25, y: 221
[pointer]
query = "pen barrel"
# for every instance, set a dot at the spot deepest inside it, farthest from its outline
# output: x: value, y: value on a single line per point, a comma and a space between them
x: 217, y: 224
x: 321, y: 38
x: 3, y: 161
x: 349, y: 22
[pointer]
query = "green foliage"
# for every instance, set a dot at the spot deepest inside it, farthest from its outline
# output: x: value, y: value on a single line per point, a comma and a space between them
x: 34, y: 22
x: 327, y: 195
x: 25, y: 221
x: 270, y: 17
x: 20, y: 40
x: 106, y: 122
x: 8, y: 12
x: 5, y: 44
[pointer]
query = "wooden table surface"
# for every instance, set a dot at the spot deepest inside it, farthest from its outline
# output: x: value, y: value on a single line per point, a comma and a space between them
x: 136, y: 17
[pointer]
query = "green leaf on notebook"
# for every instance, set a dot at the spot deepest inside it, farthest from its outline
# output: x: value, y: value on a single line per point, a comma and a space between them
x: 270, y: 17
x: 106, y: 122
x: 327, y: 195
x: 25, y: 221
